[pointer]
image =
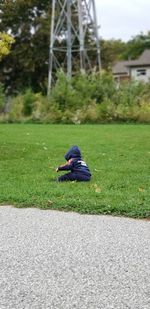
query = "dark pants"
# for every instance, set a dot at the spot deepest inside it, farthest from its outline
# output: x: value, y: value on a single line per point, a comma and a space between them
x: 74, y: 177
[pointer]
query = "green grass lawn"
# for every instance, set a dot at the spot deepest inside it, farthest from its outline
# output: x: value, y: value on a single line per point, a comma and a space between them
x: 118, y: 156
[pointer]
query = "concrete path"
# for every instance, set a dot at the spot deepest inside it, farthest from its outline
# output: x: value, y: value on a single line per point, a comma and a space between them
x: 60, y: 260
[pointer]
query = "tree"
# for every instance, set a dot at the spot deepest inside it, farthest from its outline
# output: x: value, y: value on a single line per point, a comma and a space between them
x: 136, y: 46
x: 111, y: 51
x: 28, y: 21
x: 5, y: 44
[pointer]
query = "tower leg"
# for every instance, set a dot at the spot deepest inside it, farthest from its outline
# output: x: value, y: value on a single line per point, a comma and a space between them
x: 51, y: 49
x: 96, y: 35
x: 69, y: 45
x: 81, y: 37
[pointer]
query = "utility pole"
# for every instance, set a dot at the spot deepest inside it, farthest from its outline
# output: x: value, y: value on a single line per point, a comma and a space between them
x: 73, y: 22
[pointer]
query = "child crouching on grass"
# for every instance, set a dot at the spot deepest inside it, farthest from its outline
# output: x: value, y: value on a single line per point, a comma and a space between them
x: 79, y: 169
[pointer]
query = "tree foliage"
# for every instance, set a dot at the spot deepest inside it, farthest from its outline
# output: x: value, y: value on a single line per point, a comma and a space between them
x: 136, y: 46
x: 6, y: 41
x: 111, y: 51
x: 29, y: 23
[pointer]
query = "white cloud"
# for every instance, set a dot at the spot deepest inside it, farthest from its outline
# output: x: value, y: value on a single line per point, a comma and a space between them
x: 123, y: 19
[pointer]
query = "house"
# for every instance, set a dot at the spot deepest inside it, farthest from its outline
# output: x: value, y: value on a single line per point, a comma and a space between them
x: 133, y: 69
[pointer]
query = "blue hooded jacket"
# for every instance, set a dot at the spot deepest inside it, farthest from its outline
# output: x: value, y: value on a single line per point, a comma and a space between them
x: 75, y: 162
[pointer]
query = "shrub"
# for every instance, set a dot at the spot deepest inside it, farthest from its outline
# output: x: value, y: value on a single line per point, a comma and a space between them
x: 2, y: 98
x: 16, y: 111
x: 40, y: 107
x: 53, y: 115
x: 90, y: 114
x: 144, y: 113
x: 83, y: 85
x: 29, y: 99
x: 129, y: 93
x: 103, y: 87
x: 106, y: 111
x: 63, y: 94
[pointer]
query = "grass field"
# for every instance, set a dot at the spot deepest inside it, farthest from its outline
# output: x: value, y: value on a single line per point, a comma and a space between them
x: 118, y: 156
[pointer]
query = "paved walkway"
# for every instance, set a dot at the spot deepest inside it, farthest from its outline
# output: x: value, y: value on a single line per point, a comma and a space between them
x: 63, y: 260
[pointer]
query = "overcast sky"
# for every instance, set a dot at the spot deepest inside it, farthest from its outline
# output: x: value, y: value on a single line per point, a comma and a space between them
x: 123, y: 19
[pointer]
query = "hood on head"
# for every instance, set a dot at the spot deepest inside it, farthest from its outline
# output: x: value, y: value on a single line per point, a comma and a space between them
x: 74, y: 152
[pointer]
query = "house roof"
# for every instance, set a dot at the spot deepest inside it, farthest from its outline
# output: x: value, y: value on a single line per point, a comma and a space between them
x: 145, y: 57
x: 121, y: 67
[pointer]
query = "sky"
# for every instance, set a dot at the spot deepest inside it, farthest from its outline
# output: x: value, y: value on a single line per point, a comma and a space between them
x: 122, y: 19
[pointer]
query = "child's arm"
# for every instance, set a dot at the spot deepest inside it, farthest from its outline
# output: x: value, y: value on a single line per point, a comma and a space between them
x: 65, y: 167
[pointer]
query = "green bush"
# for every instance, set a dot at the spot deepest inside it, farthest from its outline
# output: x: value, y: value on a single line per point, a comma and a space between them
x: 88, y: 114
x: 63, y: 94
x: 40, y: 107
x: 2, y: 98
x: 129, y: 93
x: 53, y: 115
x: 16, y: 111
x: 144, y: 113
x: 103, y: 87
x: 29, y: 99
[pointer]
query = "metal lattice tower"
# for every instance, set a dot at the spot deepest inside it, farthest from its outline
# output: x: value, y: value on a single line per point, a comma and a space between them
x: 74, y: 40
